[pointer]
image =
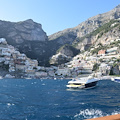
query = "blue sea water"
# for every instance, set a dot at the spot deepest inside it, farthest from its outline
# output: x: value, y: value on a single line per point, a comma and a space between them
x: 22, y: 99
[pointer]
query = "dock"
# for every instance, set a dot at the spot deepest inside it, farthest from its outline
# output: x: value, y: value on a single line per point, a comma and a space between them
x: 111, y: 117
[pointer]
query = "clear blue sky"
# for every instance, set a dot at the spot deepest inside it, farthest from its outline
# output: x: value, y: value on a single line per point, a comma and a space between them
x: 54, y: 15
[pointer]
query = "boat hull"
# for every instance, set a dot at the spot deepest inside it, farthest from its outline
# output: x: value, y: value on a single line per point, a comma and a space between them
x: 76, y: 86
x: 92, y: 84
x: 117, y: 80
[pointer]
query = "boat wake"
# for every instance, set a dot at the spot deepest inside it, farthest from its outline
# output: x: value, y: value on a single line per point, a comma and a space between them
x: 92, y: 113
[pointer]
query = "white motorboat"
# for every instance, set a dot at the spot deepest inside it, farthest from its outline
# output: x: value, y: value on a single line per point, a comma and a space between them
x: 84, y: 82
x: 116, y: 79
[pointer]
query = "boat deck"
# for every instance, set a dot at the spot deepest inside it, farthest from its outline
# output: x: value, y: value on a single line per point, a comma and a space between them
x: 111, y: 117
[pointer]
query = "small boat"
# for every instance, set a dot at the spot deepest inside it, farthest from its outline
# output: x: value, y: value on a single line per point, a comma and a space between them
x: 116, y: 79
x: 84, y: 82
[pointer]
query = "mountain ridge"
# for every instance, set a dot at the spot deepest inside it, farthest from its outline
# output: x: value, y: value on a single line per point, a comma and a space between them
x: 87, y: 33
x: 96, y: 22
x: 29, y: 37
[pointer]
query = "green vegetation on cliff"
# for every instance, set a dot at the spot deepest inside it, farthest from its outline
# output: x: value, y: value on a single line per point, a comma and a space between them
x: 101, y: 30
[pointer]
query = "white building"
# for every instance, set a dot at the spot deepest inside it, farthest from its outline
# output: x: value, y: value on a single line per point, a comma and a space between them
x: 3, y: 40
x: 11, y: 69
x: 22, y: 57
x: 6, y: 51
x: 104, y: 68
x: 2, y: 59
x: 63, y: 71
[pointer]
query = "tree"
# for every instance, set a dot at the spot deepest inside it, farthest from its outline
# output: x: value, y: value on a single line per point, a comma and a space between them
x: 111, y: 71
x: 95, y: 67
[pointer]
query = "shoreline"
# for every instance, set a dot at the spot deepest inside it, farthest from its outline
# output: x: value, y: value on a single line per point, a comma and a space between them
x: 67, y: 78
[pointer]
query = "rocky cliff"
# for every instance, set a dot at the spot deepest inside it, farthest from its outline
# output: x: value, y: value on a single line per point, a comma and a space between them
x: 21, y: 31
x: 29, y: 38
x: 64, y: 54
x: 101, y: 28
x: 103, y: 35
x: 79, y: 33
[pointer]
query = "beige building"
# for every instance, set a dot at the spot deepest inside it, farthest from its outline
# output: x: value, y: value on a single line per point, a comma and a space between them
x: 20, y: 67
x: 29, y: 71
x: 41, y: 74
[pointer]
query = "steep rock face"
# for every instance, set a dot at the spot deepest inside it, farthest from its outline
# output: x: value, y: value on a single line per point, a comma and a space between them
x: 104, y: 35
x: 28, y: 37
x: 59, y: 59
x: 20, y: 31
x: 72, y: 35
x: 64, y: 54
x: 64, y: 37
x: 68, y: 50
x: 115, y: 70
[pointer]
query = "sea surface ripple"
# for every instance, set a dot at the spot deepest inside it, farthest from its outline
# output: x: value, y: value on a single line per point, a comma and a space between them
x: 36, y: 99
